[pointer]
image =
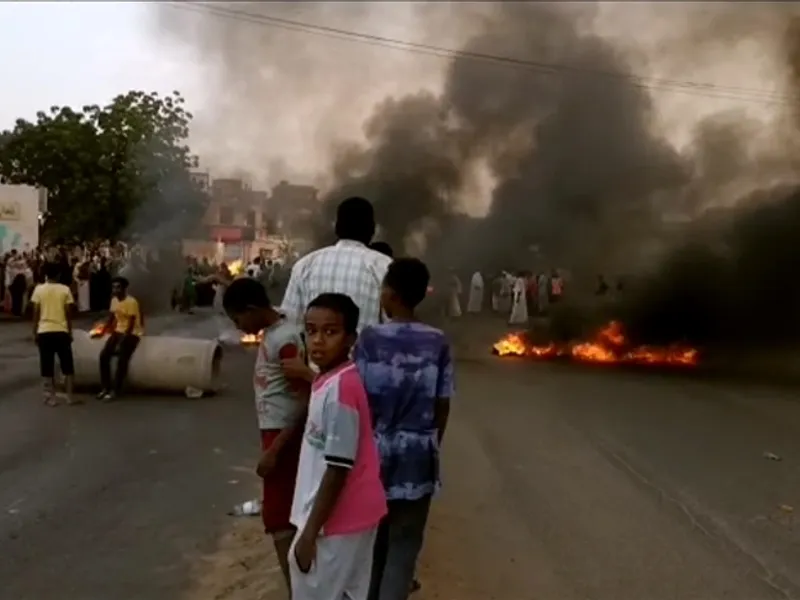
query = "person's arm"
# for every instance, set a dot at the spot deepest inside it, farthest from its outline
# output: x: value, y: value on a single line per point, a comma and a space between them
x: 445, y: 388
x: 301, y: 386
x: 361, y: 359
x: 69, y: 304
x: 133, y: 316
x: 295, y: 368
x: 111, y: 320
x: 37, y: 311
x: 341, y: 427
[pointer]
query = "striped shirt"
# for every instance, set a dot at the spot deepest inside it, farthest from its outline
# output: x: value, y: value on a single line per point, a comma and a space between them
x: 348, y: 267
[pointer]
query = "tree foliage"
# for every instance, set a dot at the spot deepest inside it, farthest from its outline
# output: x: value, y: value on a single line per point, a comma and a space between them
x: 118, y: 171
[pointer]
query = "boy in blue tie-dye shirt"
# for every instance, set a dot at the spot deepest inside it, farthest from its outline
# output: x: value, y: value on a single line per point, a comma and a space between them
x: 407, y: 370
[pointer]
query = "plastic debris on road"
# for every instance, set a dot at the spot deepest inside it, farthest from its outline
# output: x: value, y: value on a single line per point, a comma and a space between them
x: 251, y: 508
x: 191, y: 392
x: 771, y: 456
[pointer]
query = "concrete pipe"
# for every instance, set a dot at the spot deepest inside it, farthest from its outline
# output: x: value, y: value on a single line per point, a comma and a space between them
x: 165, y: 364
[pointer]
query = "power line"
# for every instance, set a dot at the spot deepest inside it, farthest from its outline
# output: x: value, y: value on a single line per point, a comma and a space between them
x: 551, y: 69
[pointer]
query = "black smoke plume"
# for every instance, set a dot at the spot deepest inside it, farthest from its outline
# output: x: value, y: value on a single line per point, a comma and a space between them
x: 583, y: 180
x: 580, y: 173
x: 574, y: 158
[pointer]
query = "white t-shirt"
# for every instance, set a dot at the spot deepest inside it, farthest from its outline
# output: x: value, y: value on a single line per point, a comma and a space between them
x: 338, y: 433
x: 276, y: 403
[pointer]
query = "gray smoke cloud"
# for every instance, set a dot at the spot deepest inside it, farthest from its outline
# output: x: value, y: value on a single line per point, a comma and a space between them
x: 582, y: 174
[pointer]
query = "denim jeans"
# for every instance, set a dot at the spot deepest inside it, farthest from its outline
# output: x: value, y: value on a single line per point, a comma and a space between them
x: 397, y: 546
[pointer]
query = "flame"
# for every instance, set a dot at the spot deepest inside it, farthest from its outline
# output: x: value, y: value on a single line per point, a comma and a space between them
x: 249, y: 339
x: 98, y: 329
x: 608, y: 346
x: 236, y: 267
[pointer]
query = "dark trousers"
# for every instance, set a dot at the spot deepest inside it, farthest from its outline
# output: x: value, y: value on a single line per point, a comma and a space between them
x: 17, y: 292
x: 123, y: 346
x: 397, y: 546
x: 51, y: 345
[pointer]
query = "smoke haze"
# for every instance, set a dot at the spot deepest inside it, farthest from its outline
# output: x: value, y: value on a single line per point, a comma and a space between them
x: 568, y: 167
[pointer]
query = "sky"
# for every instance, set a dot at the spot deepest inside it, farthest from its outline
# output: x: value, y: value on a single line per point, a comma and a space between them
x: 77, y: 53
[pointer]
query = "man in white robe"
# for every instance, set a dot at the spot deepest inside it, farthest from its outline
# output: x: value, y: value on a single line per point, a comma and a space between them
x: 519, y: 303
x: 475, y: 302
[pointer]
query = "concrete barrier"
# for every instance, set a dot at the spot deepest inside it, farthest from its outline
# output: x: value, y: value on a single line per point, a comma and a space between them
x: 160, y: 363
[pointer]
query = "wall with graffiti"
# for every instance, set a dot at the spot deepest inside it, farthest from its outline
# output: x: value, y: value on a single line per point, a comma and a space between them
x: 19, y: 218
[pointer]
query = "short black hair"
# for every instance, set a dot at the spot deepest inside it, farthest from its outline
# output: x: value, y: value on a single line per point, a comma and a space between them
x: 355, y: 220
x: 52, y: 270
x: 124, y: 283
x: 243, y: 294
x: 341, y: 304
x: 409, y: 279
x: 383, y: 248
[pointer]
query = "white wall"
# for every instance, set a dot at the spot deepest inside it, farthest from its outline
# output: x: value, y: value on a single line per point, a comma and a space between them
x: 19, y: 218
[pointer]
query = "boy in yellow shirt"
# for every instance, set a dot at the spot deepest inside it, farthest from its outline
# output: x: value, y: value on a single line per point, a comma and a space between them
x: 52, y: 330
x: 127, y: 327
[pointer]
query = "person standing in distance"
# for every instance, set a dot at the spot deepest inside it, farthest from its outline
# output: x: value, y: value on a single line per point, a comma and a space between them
x: 52, y: 329
x: 348, y: 267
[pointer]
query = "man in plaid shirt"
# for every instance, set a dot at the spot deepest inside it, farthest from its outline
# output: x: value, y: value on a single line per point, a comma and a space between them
x: 348, y: 267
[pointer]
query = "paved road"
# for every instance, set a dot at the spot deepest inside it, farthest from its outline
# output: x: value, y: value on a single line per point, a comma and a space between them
x: 116, y: 501
x: 573, y: 483
x: 559, y: 483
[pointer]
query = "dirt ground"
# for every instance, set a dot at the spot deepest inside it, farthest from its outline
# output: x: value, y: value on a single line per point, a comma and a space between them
x: 243, y: 567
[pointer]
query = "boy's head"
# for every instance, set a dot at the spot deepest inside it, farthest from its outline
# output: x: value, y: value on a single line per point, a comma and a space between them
x: 383, y: 248
x: 52, y: 271
x: 119, y: 287
x: 246, y: 303
x: 331, y: 329
x: 404, y: 286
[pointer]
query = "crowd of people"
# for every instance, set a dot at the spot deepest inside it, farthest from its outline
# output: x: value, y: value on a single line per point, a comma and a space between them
x: 86, y: 269
x: 516, y: 296
x: 352, y: 397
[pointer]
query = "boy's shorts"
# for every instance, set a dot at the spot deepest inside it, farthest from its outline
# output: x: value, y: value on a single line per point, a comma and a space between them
x: 276, y: 504
x: 342, y: 568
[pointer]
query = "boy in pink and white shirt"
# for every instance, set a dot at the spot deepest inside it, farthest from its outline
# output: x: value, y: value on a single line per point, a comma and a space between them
x: 339, y: 498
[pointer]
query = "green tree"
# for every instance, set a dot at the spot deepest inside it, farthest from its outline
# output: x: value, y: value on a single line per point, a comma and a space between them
x: 118, y: 171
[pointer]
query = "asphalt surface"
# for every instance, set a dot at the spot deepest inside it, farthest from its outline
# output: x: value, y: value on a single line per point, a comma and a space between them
x: 573, y: 483
x: 560, y: 483
x: 117, y: 501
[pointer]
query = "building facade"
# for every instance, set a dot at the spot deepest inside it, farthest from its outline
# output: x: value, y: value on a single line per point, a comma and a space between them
x: 241, y: 223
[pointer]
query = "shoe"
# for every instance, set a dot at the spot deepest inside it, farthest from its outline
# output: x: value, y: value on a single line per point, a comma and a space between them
x: 108, y: 397
x: 102, y: 394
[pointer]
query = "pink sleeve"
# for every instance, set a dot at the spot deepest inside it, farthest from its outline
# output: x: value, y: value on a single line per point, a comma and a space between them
x: 351, y: 390
x: 341, y: 422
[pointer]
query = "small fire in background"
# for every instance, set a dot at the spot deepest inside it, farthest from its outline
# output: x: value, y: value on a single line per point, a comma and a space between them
x: 98, y: 329
x: 608, y: 346
x: 235, y: 267
x: 249, y: 339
